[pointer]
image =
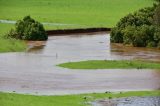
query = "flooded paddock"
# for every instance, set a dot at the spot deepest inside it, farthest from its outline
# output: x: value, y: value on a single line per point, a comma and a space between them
x: 35, y: 71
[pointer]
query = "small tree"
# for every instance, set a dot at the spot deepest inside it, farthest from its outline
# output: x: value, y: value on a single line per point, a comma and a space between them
x: 28, y: 29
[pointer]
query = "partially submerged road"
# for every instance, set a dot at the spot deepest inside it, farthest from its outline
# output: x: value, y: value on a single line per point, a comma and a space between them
x: 35, y: 71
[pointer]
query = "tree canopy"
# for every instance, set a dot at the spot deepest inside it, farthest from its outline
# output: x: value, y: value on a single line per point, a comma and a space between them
x: 140, y: 29
x: 28, y: 29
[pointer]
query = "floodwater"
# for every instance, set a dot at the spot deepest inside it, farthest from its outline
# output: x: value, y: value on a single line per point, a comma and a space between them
x: 129, y: 101
x: 35, y: 71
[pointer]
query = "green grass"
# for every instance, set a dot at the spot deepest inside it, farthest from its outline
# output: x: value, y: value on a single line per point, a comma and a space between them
x: 111, y: 64
x: 12, y: 99
x: 81, y: 13
x: 12, y: 45
x: 4, y: 28
x: 97, y: 13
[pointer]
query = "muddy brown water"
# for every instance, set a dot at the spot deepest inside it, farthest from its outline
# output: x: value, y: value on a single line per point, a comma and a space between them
x: 35, y: 71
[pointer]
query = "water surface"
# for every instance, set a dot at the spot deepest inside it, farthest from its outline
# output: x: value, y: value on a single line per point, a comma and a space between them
x: 35, y: 71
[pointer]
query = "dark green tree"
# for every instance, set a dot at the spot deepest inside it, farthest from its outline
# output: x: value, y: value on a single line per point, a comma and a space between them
x: 28, y: 29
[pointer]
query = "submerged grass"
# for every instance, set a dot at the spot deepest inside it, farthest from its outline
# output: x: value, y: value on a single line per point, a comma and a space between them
x: 12, y: 99
x: 111, y: 64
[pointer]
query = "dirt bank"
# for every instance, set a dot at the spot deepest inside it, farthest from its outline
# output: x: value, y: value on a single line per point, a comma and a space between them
x: 75, y: 31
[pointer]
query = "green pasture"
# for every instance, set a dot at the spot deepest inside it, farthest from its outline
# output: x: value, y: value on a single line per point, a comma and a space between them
x: 89, y: 13
x: 75, y: 13
x: 12, y: 99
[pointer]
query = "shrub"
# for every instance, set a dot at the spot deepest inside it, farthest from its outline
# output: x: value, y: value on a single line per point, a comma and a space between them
x: 138, y: 18
x: 157, y: 15
x: 139, y: 38
x: 139, y: 29
x: 151, y: 44
x: 158, y: 45
x: 117, y: 36
x: 12, y: 34
x: 28, y: 29
x: 128, y: 34
x: 157, y: 35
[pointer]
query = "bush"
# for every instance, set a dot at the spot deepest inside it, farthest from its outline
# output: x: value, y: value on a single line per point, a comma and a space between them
x: 117, y: 36
x: 158, y: 45
x: 157, y: 34
x: 141, y: 17
x: 28, y: 29
x: 12, y: 34
x: 157, y: 15
x: 139, y: 29
x: 139, y: 37
x: 128, y: 34
x: 151, y: 44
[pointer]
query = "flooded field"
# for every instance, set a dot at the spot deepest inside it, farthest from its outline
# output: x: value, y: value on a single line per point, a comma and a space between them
x: 35, y: 71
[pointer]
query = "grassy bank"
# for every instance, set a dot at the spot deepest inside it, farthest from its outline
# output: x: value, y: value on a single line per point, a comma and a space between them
x: 97, y: 13
x: 8, y: 99
x: 76, y: 13
x: 9, y: 45
x: 111, y: 64
x: 12, y: 45
x: 4, y: 28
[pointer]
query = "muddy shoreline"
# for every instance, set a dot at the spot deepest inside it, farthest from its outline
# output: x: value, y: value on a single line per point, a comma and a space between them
x: 76, y: 31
